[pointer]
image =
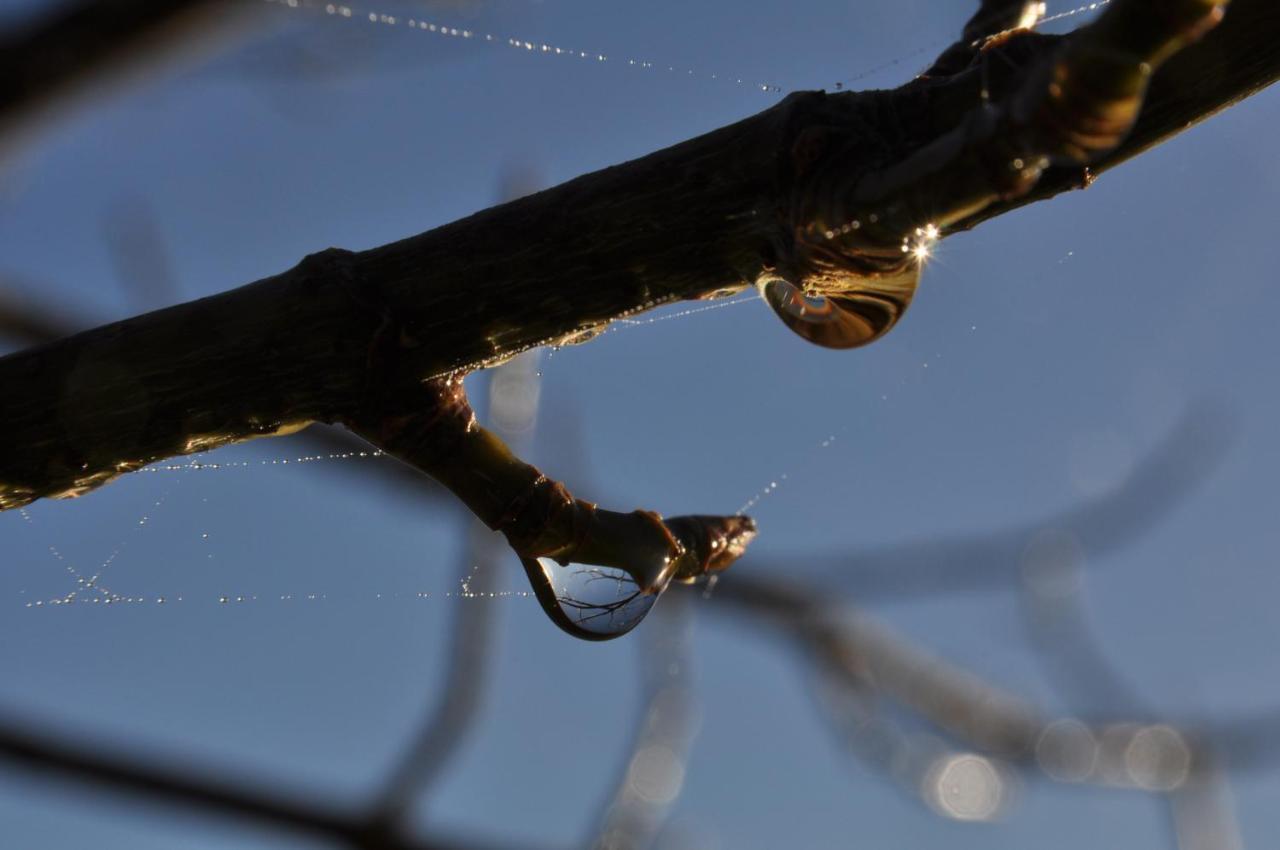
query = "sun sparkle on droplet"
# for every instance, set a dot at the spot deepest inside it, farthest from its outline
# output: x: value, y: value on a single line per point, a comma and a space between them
x: 1031, y: 15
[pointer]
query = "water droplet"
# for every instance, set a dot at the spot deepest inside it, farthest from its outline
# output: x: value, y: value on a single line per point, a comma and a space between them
x: 590, y: 601
x: 854, y: 317
x: 643, y: 555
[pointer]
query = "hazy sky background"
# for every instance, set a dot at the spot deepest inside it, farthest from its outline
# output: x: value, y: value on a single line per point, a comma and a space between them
x: 1045, y: 355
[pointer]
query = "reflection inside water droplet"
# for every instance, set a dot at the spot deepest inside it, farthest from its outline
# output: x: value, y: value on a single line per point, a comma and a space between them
x: 861, y: 314
x: 589, y: 601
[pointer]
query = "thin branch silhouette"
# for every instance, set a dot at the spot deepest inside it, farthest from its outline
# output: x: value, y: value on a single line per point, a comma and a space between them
x: 983, y: 561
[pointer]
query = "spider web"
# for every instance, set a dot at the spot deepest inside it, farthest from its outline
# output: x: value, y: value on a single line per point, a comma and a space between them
x: 96, y: 570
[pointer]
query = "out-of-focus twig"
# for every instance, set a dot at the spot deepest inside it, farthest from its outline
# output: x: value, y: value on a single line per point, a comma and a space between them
x: 513, y: 408
x: 882, y: 669
x: 654, y: 769
x: 867, y: 675
x: 993, y: 560
x: 137, y: 248
x: 26, y: 322
x: 1201, y: 814
x: 86, y: 43
x: 1050, y: 595
x: 36, y: 746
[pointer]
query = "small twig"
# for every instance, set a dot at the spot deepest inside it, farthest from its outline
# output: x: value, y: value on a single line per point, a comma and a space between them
x: 1050, y: 595
x: 137, y: 249
x: 559, y: 538
x: 87, y: 42
x: 428, y: 754
x: 995, y: 560
x: 1202, y: 814
x: 653, y: 771
x: 874, y: 662
x: 27, y: 323
x: 36, y: 746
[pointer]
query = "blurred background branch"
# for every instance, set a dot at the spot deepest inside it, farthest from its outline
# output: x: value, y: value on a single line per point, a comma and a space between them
x: 865, y: 676
x: 49, y: 61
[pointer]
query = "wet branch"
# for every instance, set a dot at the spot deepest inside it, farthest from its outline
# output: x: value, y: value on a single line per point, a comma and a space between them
x: 324, y: 341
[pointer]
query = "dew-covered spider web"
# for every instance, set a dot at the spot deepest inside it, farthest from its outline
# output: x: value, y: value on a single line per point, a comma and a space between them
x: 69, y: 567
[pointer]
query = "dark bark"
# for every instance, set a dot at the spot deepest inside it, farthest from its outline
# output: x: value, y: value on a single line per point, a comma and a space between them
x: 334, y: 337
x: 319, y: 341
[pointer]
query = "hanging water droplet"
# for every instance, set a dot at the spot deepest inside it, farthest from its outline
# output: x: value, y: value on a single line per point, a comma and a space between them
x: 644, y: 554
x: 848, y: 319
x: 589, y: 601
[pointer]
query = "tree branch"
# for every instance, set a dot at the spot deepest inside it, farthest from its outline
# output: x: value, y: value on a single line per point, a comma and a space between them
x: 1235, y: 61
x: 325, y: 340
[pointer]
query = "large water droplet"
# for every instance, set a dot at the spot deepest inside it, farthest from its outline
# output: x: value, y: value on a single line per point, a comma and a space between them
x: 640, y: 554
x: 589, y: 601
x: 855, y: 317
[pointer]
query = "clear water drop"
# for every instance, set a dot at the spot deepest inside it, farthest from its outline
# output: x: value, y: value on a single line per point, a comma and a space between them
x: 590, y: 601
x: 638, y: 555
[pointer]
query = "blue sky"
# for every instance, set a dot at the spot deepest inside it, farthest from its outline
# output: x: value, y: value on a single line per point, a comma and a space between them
x: 1045, y: 355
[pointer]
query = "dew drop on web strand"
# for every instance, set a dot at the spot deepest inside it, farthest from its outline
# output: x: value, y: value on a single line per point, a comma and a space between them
x: 104, y: 595
x: 623, y: 323
x: 198, y: 464
x: 231, y: 599
x: 415, y: 23
x: 92, y: 583
x: 1079, y: 10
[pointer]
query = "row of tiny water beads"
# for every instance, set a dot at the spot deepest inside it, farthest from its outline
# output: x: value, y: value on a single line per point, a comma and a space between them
x: 90, y: 589
x: 1036, y: 16
x: 419, y: 25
